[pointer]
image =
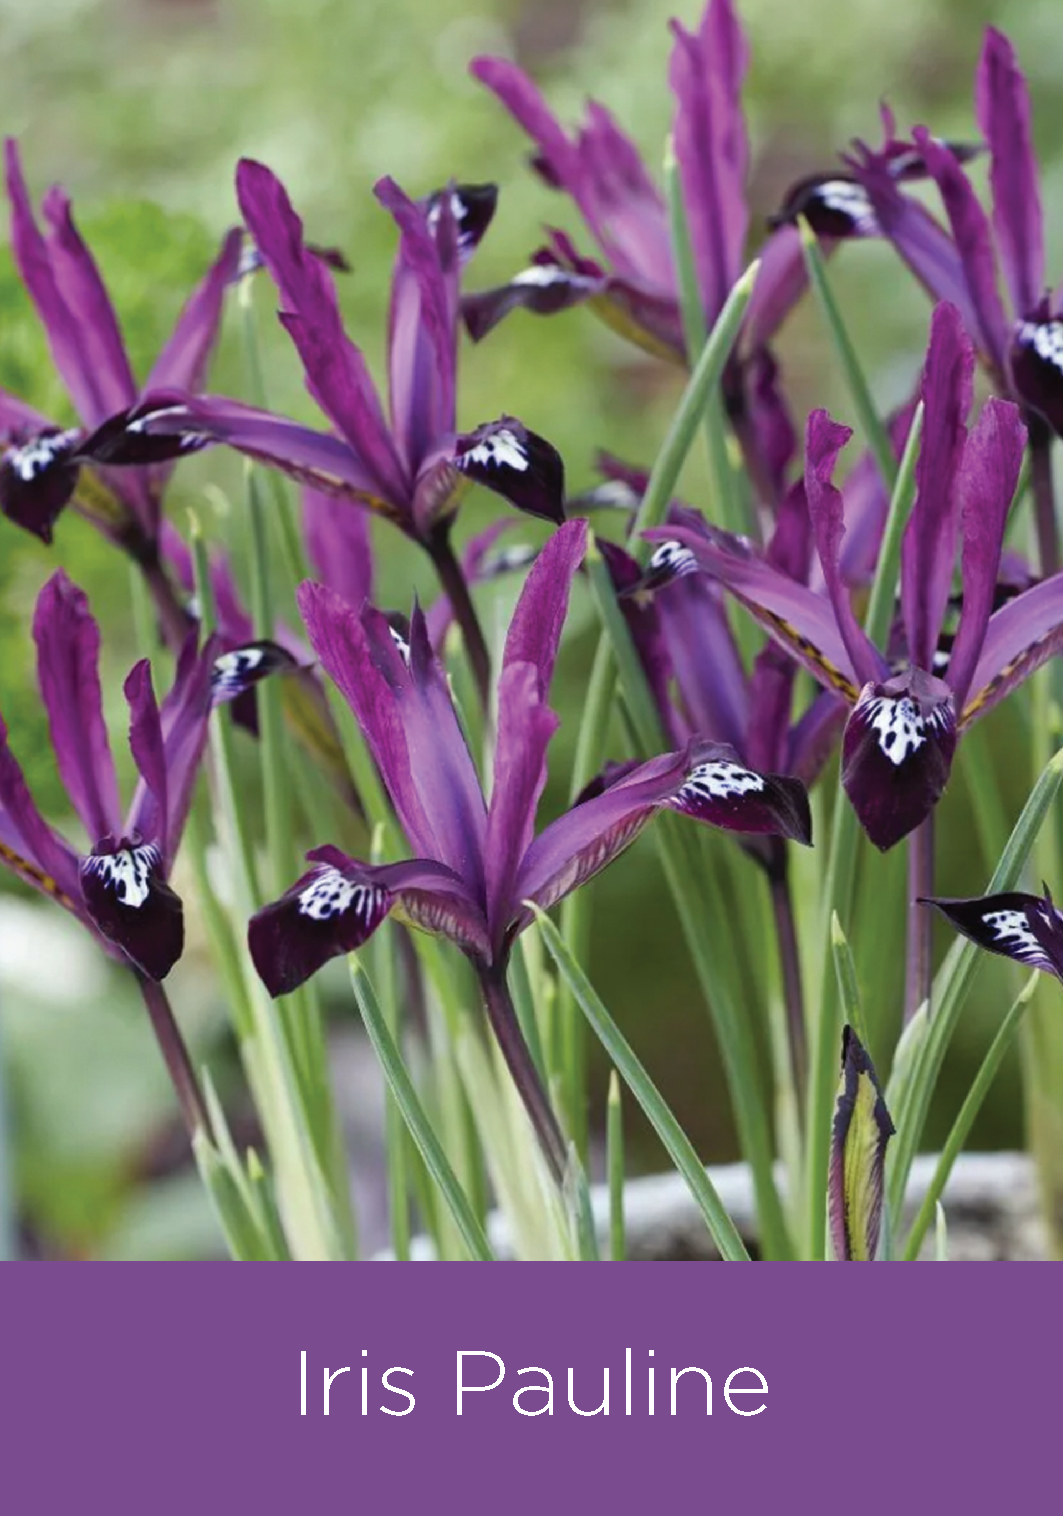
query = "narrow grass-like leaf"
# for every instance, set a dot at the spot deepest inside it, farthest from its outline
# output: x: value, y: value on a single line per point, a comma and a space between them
x: 883, y: 597
x: 664, y: 1123
x: 845, y: 971
x: 859, y: 1135
x: 965, y: 1118
x: 704, y: 382
x: 413, y: 1113
x: 859, y: 391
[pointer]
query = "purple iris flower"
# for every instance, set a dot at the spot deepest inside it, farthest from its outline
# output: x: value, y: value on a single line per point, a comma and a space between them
x: 413, y: 470
x: 1026, y: 928
x: 1023, y: 350
x: 477, y: 862
x: 678, y: 622
x: 634, y: 287
x: 907, y: 712
x: 119, y: 888
x: 41, y: 460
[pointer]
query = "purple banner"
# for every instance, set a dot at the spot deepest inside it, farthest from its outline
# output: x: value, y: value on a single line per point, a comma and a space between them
x: 157, y: 1388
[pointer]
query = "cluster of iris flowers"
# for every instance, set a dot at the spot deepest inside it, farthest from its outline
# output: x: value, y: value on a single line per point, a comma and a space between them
x: 741, y: 734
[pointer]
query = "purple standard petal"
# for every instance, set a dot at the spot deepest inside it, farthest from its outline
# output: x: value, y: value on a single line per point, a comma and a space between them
x: 184, y: 715
x: 472, y: 207
x: 183, y: 362
x: 68, y: 650
x: 897, y: 752
x: 515, y: 463
x: 28, y: 845
x: 336, y: 372
x: 38, y: 478
x: 782, y: 279
x: 34, y: 263
x: 643, y: 619
x: 703, y: 653
x: 957, y: 268
x: 928, y: 549
x: 1035, y: 360
x: 148, y: 818
x: 706, y: 71
x: 867, y: 504
x: 539, y: 615
x: 127, y: 898
x: 985, y: 487
x: 860, y: 1133
x: 422, y: 324
x: 824, y: 440
x: 86, y: 297
x: 974, y: 242
x: 1002, y: 102
x: 525, y: 727
x: 338, y: 904
x: 339, y: 639
x: 760, y: 416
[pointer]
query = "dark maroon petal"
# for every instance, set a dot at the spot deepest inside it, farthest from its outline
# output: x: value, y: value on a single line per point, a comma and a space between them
x: 38, y: 478
x: 544, y: 288
x: 128, y: 899
x: 235, y: 672
x: 1035, y: 358
x: 897, y: 753
x: 834, y: 205
x: 1004, y: 924
x: 721, y: 790
x: 473, y: 208
x: 329, y: 911
x: 1003, y: 104
x: 1046, y: 924
x: 339, y: 903
x: 68, y: 650
x: 860, y: 1133
x: 515, y: 463
x: 124, y: 439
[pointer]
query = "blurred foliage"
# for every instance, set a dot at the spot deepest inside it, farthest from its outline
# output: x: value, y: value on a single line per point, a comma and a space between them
x: 140, y: 108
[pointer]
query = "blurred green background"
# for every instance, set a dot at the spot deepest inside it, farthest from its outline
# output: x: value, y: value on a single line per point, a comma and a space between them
x: 141, y: 108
